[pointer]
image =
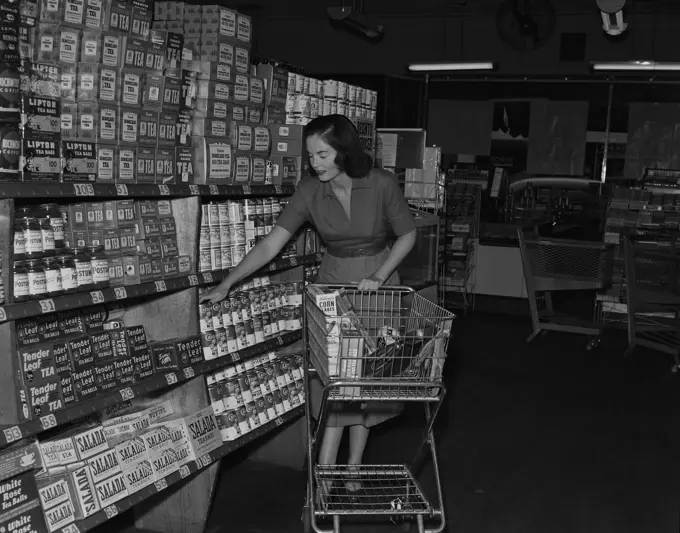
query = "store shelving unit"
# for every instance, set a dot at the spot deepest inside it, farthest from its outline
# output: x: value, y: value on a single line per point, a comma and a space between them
x: 168, y: 309
x: 652, y: 213
x: 155, y: 384
x: 459, y: 227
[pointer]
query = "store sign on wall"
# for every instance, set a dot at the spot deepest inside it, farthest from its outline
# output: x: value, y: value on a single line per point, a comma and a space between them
x: 367, y: 135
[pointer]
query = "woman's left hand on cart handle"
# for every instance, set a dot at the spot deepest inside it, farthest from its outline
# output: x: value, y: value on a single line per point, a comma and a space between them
x: 371, y: 284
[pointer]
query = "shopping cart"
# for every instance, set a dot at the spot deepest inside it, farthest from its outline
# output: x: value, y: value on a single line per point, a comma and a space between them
x: 384, y: 346
x: 563, y: 265
x: 653, y: 296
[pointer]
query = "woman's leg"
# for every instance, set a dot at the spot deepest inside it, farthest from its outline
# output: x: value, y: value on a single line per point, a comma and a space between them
x: 328, y: 453
x: 358, y: 436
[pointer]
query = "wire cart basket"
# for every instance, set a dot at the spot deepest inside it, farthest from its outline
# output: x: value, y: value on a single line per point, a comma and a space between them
x: 653, y: 296
x: 384, y: 346
x: 552, y: 265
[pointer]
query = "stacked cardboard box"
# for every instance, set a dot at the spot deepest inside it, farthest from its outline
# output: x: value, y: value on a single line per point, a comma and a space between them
x: 77, y: 355
x: 101, y: 93
x: 98, y: 462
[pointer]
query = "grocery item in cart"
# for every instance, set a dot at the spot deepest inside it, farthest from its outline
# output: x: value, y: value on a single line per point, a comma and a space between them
x: 344, y: 338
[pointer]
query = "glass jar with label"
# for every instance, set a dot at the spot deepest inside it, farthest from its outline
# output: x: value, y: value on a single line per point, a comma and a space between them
x: 56, y: 221
x: 20, y: 282
x: 33, y: 238
x: 100, y: 267
x: 19, y: 248
x: 47, y: 235
x: 69, y: 272
x: 53, y: 280
x: 37, y: 286
x: 83, y: 264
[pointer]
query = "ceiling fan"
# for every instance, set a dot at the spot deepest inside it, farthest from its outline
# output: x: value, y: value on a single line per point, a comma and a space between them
x: 525, y: 24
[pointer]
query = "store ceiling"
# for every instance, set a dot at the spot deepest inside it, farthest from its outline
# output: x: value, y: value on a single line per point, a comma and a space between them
x: 315, y: 8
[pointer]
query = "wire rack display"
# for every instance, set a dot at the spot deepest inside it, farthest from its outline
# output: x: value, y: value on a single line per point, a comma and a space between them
x: 459, y: 228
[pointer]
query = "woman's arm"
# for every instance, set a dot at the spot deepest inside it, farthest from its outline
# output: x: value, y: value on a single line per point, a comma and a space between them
x: 264, y: 251
x: 401, y: 248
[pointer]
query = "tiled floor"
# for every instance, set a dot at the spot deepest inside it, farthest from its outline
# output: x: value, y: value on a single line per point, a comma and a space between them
x: 545, y: 438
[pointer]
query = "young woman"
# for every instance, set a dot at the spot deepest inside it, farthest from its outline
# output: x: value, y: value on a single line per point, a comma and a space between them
x: 352, y: 206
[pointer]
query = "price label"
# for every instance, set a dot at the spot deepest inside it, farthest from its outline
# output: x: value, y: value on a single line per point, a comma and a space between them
x: 111, y: 511
x: 97, y: 297
x: 208, y: 277
x: 184, y: 471
x: 3, y: 315
x: 171, y: 378
x: 319, y: 257
x: 293, y: 261
x: 189, y: 372
x: 164, y: 190
x: 194, y: 190
x: 205, y: 460
x: 161, y: 286
x: 161, y: 484
x: 120, y: 293
x: 121, y: 190
x: 235, y: 357
x: 279, y: 339
x: 47, y: 306
x: 214, y: 190
x: 127, y: 394
x: 278, y: 421
x: 71, y: 528
x: 83, y: 189
x: 278, y: 189
x: 193, y: 280
x: 12, y: 434
x: 246, y: 190
x: 48, y: 422
x: 272, y: 266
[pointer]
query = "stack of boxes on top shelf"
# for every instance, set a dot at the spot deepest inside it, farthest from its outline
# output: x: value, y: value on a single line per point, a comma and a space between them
x: 229, y: 138
x: 97, y: 99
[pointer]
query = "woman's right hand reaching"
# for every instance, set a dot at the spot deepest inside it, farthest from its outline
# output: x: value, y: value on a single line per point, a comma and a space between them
x: 216, y: 295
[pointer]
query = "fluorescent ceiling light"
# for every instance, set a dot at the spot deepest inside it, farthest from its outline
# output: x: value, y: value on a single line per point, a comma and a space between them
x: 447, y: 67
x: 636, y: 66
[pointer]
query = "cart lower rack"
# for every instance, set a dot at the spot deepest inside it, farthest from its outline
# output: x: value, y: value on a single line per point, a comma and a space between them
x: 368, y: 348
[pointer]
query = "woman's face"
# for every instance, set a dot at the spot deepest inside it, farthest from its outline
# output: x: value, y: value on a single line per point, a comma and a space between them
x: 322, y: 158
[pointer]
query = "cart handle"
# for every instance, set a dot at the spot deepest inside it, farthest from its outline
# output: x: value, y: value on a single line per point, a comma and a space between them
x: 355, y: 285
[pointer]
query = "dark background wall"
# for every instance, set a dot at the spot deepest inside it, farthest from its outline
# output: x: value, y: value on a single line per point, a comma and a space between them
x: 454, y: 30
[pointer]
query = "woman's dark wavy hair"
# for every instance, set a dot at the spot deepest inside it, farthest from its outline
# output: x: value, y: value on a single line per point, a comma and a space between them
x: 338, y: 132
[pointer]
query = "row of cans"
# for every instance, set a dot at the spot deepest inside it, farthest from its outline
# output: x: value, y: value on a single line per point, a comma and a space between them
x: 331, y: 89
x: 232, y: 212
x: 303, y: 105
x: 245, y: 396
x: 248, y: 304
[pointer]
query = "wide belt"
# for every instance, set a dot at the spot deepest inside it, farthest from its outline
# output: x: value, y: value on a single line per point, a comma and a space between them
x: 357, y: 252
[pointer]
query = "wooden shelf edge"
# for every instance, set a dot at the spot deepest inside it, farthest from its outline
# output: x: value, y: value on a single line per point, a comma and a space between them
x: 185, y: 471
x: 33, y: 308
x: 160, y: 381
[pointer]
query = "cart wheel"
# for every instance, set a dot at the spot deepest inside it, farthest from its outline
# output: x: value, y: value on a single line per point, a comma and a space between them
x: 593, y: 344
x: 675, y: 369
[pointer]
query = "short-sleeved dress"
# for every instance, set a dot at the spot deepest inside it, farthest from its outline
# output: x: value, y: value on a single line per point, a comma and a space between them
x: 356, y: 248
